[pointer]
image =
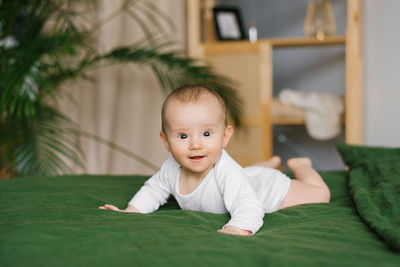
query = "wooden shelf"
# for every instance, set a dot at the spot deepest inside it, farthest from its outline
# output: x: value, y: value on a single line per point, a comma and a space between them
x: 282, y: 114
x: 245, y: 46
x: 308, y: 41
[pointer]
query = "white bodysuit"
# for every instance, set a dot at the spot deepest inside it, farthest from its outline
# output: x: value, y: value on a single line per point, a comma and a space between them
x: 245, y: 193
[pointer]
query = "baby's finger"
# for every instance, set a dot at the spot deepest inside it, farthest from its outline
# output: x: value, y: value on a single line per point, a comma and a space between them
x: 112, y: 207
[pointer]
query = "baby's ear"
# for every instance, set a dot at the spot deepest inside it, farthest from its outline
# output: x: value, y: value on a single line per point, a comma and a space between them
x: 164, y: 140
x: 227, y: 135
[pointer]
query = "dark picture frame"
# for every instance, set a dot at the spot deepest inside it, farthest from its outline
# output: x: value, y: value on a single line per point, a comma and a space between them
x: 228, y: 23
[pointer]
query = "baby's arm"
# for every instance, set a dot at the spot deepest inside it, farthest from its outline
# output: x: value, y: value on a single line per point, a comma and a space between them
x: 151, y: 195
x: 129, y: 208
x: 241, y: 202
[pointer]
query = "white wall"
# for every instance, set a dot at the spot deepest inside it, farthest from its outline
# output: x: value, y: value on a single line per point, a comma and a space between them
x: 382, y: 72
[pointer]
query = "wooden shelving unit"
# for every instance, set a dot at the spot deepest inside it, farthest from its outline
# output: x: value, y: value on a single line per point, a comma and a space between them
x: 257, y: 59
x: 244, y: 46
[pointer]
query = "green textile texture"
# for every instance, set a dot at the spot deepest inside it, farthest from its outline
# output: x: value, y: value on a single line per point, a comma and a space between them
x: 55, y: 221
x: 374, y: 183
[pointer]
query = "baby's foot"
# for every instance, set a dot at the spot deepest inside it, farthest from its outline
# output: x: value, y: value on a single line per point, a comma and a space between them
x: 294, y: 163
x: 273, y: 162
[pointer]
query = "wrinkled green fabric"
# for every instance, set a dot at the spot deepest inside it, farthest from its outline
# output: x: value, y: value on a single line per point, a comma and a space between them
x: 374, y: 183
x: 55, y: 221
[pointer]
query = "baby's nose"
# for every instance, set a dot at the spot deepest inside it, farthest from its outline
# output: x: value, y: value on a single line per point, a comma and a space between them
x: 195, y: 144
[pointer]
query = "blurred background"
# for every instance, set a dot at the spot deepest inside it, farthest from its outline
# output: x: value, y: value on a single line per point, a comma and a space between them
x: 122, y: 103
x: 129, y: 114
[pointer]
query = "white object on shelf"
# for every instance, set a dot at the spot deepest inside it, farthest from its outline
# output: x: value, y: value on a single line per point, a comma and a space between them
x: 253, y: 33
x: 322, y: 111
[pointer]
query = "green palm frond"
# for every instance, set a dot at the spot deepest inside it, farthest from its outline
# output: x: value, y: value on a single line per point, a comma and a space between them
x: 42, y: 145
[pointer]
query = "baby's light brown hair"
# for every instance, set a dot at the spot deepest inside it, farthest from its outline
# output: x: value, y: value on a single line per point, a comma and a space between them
x: 190, y: 94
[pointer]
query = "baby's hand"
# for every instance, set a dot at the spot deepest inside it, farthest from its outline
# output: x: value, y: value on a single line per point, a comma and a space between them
x: 110, y: 207
x: 129, y: 208
x: 232, y: 230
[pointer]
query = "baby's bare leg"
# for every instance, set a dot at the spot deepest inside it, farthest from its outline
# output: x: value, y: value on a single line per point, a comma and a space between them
x: 307, y: 187
x: 273, y: 162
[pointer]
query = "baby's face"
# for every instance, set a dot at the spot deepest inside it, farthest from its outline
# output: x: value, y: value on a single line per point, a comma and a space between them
x: 195, y: 134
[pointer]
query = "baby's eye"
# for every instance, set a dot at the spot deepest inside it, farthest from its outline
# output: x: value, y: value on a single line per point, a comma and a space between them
x: 207, y: 133
x: 182, y: 136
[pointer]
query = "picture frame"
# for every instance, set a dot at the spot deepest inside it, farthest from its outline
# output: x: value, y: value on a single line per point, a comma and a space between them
x: 228, y: 23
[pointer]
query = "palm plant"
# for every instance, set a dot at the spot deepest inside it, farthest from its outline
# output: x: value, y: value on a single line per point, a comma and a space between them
x: 43, y: 46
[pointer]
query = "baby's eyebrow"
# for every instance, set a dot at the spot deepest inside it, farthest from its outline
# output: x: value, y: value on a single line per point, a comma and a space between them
x: 184, y: 130
x: 179, y: 130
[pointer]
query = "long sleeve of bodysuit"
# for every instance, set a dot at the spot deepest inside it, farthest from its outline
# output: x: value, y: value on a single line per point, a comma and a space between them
x: 240, y: 200
x: 155, y: 190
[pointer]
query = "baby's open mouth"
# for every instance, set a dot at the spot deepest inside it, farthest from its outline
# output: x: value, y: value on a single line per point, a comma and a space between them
x: 196, y: 157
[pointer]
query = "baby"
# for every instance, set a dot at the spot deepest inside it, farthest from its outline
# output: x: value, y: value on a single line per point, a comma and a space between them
x: 203, y: 177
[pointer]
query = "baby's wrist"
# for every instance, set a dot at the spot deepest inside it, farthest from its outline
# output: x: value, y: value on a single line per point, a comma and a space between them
x: 131, y: 208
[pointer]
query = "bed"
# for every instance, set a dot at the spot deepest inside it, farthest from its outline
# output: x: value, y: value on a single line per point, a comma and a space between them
x: 54, y: 221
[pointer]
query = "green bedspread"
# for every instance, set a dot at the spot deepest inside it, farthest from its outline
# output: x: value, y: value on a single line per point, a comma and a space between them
x: 54, y: 221
x: 374, y: 183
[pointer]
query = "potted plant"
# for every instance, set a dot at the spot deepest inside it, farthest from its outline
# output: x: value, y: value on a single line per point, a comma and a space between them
x: 42, y: 47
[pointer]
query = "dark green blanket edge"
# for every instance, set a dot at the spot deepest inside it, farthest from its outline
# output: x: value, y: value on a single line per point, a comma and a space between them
x: 374, y: 183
